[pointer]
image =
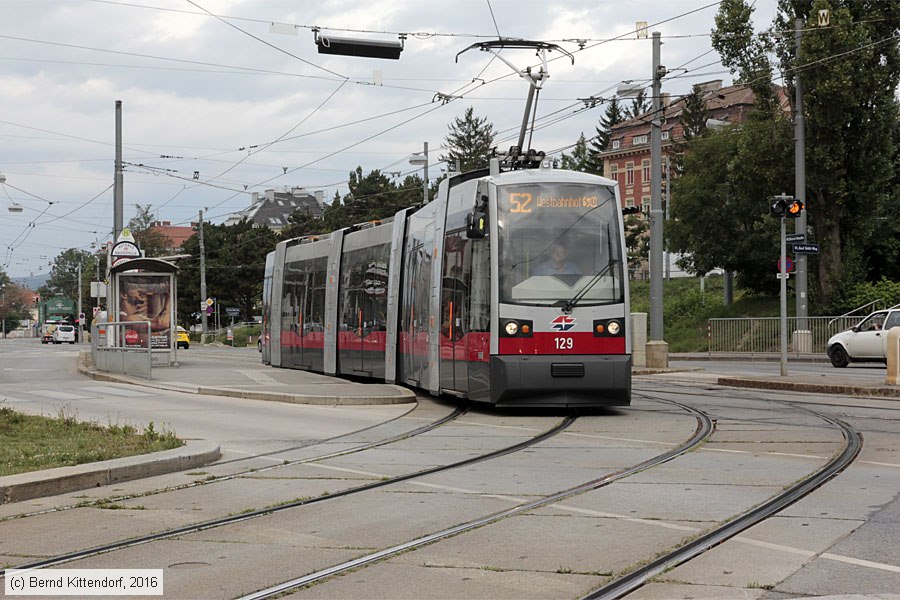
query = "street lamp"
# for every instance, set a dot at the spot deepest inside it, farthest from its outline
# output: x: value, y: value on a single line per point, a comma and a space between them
x: 14, y: 207
x: 422, y: 159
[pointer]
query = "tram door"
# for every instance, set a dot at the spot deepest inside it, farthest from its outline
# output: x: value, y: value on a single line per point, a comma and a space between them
x: 456, y: 281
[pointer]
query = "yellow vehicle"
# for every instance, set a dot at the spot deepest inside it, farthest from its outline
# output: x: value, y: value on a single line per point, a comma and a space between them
x: 182, y: 339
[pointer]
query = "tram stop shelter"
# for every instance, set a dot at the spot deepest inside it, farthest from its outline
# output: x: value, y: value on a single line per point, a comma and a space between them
x: 143, y: 298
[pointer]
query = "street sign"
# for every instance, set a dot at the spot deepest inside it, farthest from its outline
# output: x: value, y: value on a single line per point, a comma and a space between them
x: 782, y: 275
x: 209, y: 302
x: 806, y: 248
x: 788, y: 262
x: 795, y: 237
x: 232, y: 312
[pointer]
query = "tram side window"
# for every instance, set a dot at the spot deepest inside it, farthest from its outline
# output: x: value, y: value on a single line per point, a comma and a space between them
x: 364, y: 290
x: 480, y: 297
x: 314, y: 305
x: 456, y: 281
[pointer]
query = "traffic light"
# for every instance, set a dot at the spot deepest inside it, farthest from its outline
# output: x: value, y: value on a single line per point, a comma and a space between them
x: 786, y: 206
x: 794, y: 209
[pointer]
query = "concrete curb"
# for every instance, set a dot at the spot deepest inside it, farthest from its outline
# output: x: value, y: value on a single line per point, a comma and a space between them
x: 820, y: 388
x: 62, y: 480
x: 403, y: 395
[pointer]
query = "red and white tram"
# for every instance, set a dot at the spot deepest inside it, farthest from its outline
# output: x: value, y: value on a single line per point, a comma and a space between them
x: 509, y: 288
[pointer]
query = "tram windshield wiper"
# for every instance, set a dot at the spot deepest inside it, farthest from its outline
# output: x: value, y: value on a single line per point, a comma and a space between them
x: 568, y: 305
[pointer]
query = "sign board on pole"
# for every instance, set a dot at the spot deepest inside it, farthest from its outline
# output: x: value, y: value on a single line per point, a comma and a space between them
x: 232, y: 312
x: 795, y: 237
x: 789, y: 265
x: 806, y: 248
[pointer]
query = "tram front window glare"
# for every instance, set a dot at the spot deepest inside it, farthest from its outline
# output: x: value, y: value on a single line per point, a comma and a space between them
x: 556, y: 239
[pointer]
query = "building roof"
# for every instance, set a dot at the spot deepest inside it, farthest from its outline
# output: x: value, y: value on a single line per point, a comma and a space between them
x: 274, y: 208
x: 176, y: 235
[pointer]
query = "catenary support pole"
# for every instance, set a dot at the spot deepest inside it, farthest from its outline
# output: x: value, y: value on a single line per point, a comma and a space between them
x: 203, y: 306
x: 800, y: 283
x: 118, y: 182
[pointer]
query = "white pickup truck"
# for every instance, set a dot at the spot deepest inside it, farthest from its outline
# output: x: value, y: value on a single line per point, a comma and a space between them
x: 867, y: 342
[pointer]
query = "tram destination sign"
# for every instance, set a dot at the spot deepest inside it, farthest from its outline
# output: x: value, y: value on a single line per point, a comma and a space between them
x: 806, y: 248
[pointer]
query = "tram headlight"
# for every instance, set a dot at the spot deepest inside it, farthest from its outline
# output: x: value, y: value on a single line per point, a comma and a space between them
x: 608, y: 328
x: 518, y: 328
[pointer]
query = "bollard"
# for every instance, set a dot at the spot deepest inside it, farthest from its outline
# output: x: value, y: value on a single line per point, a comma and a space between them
x: 893, y: 356
x: 638, y: 339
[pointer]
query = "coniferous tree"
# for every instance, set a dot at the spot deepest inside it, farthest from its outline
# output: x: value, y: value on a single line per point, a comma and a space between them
x: 639, y: 105
x: 580, y: 158
x: 694, y: 114
x: 469, y: 141
x: 600, y: 142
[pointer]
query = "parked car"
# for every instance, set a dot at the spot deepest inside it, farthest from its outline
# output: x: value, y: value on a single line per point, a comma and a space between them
x: 867, y: 342
x: 182, y: 339
x: 64, y: 333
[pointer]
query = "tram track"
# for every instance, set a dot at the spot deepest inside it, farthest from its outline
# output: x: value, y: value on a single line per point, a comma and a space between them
x: 635, y: 579
x: 705, y: 428
x: 254, y: 514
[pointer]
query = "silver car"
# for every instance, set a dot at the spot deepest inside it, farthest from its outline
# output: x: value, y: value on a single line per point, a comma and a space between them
x: 867, y: 342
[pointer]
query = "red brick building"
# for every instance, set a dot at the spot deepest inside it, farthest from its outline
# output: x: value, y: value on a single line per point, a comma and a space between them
x: 175, y: 235
x: 627, y: 158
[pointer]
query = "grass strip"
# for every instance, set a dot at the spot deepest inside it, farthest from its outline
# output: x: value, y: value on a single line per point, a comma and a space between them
x: 32, y: 443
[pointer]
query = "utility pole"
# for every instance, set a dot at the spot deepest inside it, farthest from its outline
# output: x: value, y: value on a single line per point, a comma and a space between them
x: 202, y: 283
x: 425, y: 171
x: 118, y: 181
x: 802, y: 296
x: 80, y: 328
x: 657, y: 349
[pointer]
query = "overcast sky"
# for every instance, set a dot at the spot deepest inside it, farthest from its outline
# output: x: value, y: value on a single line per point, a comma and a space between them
x: 208, y: 85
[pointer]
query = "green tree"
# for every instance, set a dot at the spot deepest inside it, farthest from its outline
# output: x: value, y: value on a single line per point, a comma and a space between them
x: 613, y: 115
x: 64, y: 275
x: 235, y: 261
x: 469, y: 141
x: 850, y: 72
x: 719, y: 215
x: 13, y: 307
x: 579, y: 160
x: 639, y: 105
x: 694, y: 114
x: 148, y: 239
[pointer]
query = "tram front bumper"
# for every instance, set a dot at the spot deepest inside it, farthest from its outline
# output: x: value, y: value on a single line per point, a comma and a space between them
x: 561, y: 380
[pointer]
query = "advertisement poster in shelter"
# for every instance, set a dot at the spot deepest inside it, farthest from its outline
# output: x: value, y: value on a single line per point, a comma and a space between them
x: 146, y: 298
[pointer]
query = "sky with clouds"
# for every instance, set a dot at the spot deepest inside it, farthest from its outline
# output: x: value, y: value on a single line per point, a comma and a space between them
x: 235, y: 91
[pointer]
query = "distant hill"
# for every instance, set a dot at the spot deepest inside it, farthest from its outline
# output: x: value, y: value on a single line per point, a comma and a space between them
x: 31, y: 283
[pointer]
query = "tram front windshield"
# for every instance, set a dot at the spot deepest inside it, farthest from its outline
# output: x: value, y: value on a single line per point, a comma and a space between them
x: 559, y: 245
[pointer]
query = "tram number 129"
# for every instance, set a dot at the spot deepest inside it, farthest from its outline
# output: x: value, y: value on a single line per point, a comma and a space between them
x: 563, y: 343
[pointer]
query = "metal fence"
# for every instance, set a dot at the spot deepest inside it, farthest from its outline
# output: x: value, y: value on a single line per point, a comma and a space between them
x: 122, y: 347
x: 762, y: 335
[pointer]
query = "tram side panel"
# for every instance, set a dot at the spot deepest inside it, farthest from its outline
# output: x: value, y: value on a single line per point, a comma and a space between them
x: 415, y: 302
x: 303, y: 288
x: 465, y: 300
x: 362, y: 302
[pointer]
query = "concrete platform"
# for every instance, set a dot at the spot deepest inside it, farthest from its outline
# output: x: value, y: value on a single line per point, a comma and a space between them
x: 219, y: 376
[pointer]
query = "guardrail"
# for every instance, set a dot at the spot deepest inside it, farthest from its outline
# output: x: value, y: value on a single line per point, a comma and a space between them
x: 115, y: 349
x: 762, y: 335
